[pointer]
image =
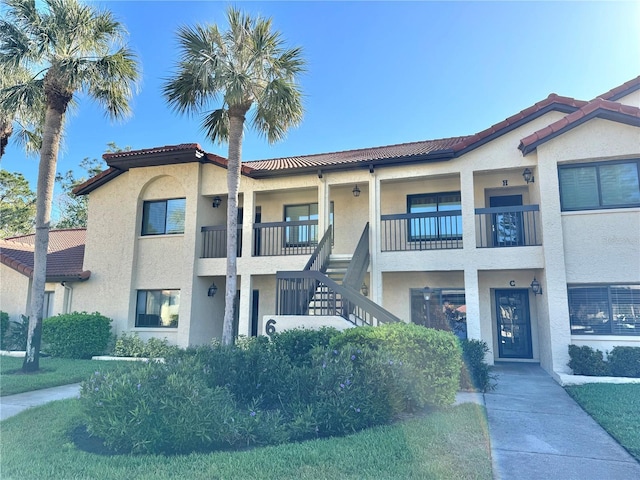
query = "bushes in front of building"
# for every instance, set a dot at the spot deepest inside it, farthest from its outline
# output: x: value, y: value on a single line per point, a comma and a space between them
x: 262, y: 392
x: 476, y: 373
x: 620, y: 362
x: 4, y: 328
x: 131, y: 345
x: 76, y: 335
x: 432, y: 355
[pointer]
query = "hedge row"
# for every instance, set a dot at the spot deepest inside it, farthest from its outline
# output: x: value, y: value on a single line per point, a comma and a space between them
x: 301, y: 385
x: 620, y: 362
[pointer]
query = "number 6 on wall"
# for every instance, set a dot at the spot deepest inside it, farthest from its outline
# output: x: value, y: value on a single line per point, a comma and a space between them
x: 270, y: 327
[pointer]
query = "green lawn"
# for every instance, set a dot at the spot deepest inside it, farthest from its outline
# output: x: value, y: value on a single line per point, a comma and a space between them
x: 616, y: 408
x: 53, y: 372
x: 447, y: 444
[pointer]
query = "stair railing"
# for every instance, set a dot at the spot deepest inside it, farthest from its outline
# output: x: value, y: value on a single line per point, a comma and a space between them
x: 292, y: 299
x: 320, y: 256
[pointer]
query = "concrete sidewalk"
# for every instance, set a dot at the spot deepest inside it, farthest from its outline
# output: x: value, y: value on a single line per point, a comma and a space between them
x: 539, y: 432
x: 11, y: 405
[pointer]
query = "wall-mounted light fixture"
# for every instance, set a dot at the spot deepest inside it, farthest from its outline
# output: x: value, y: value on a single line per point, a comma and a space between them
x: 364, y: 289
x: 426, y: 293
x: 216, y: 201
x: 528, y: 176
x: 356, y: 191
x: 535, y: 287
x: 212, y: 290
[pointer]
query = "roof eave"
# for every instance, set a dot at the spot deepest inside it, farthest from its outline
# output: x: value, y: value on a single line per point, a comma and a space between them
x: 600, y: 113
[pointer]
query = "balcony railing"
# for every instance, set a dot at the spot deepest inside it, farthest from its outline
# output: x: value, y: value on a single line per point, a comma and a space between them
x: 421, y: 231
x: 508, y: 226
x: 214, y: 242
x: 285, y: 238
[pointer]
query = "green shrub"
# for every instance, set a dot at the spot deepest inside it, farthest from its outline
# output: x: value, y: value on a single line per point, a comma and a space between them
x: 252, y: 393
x: 76, y: 335
x: 624, y: 362
x: 587, y: 361
x: 159, y: 408
x: 131, y: 345
x: 298, y: 343
x: 432, y: 359
x: 4, y: 328
x: 476, y: 373
x: 16, y: 338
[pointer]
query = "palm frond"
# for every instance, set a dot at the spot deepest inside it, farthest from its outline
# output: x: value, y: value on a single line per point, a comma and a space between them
x: 279, y: 109
x: 216, y: 125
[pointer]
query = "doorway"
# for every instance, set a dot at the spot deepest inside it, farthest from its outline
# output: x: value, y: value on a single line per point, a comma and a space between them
x: 513, y: 324
x: 508, y: 227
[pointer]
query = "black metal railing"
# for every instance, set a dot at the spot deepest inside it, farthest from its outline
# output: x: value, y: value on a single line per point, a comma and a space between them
x: 421, y: 231
x: 296, y: 290
x: 516, y: 226
x: 320, y: 256
x: 214, y: 242
x: 359, y: 263
x: 285, y: 238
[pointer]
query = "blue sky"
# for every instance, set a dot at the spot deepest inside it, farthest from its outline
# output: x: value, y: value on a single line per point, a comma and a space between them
x: 379, y: 73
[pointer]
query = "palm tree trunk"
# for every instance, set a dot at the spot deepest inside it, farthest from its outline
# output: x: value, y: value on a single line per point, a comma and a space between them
x: 236, y: 126
x: 44, y: 195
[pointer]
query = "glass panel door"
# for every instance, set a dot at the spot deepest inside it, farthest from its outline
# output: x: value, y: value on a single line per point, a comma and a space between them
x: 508, y: 228
x: 514, y: 324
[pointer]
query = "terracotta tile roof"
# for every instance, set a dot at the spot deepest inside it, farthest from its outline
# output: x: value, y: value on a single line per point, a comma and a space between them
x: 64, y: 258
x: 94, y: 182
x: 350, y: 157
x: 622, y: 90
x: 153, y: 151
x: 597, y: 108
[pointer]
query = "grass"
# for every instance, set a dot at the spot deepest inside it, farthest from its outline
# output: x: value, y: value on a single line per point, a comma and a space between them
x: 53, y: 372
x: 616, y: 407
x: 447, y: 444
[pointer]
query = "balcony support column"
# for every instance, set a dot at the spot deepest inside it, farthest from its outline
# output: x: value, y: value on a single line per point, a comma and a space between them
x: 374, y: 238
x: 248, y: 209
x: 467, y: 205
x: 244, y: 308
x: 472, y: 301
x: 323, y: 206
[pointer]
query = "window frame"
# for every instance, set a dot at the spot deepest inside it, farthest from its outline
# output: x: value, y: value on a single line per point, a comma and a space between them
x: 596, y: 165
x: 166, y: 217
x: 457, y: 324
x: 49, y: 297
x: 171, y: 296
x: 311, y: 241
x: 420, y: 237
x: 579, y: 313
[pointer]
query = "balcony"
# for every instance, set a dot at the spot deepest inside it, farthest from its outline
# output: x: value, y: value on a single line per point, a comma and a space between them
x: 421, y: 231
x: 517, y: 226
x: 214, y: 242
x: 285, y: 238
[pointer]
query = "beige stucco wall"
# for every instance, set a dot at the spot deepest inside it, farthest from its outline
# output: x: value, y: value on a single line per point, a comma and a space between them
x: 14, y: 293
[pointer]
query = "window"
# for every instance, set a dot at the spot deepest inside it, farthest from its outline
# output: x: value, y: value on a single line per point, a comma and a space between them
x: 47, y: 311
x: 444, y: 219
x: 600, y: 185
x: 445, y: 310
x: 605, y: 310
x: 157, y: 308
x: 163, y: 217
x: 307, y: 234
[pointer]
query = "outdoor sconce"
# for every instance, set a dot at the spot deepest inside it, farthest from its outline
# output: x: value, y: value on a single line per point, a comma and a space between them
x: 426, y: 293
x: 212, y: 290
x: 216, y: 201
x: 364, y: 289
x: 535, y: 287
x: 528, y: 176
x: 356, y: 191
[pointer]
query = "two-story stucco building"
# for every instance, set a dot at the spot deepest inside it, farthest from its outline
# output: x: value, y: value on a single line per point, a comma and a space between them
x: 525, y: 235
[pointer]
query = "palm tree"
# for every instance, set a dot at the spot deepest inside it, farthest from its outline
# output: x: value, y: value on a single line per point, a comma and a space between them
x: 68, y: 48
x: 247, y: 69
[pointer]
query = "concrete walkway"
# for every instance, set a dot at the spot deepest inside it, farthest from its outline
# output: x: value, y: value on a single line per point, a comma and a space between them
x: 11, y: 405
x: 538, y: 432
